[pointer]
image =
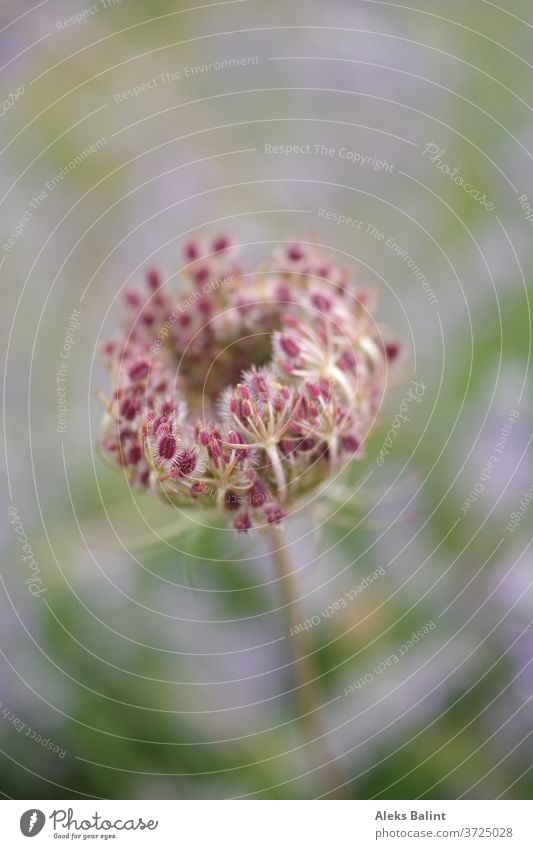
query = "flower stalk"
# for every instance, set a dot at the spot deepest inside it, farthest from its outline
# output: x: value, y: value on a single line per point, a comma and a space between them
x: 306, y: 675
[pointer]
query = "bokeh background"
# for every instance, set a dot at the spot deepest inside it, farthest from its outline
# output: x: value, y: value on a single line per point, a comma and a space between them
x: 157, y: 660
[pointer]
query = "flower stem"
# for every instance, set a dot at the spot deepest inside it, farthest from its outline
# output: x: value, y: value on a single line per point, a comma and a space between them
x: 279, y: 474
x: 307, y: 676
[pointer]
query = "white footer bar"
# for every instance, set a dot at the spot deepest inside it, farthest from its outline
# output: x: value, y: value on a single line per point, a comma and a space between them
x: 268, y: 824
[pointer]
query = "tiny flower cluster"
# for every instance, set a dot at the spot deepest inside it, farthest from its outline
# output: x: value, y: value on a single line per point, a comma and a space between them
x: 246, y: 391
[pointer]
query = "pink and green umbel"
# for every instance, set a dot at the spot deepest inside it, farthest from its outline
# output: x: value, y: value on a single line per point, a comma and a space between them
x: 245, y: 391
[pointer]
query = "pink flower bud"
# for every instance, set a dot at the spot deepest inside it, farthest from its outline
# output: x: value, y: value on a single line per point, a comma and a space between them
x: 289, y: 345
x: 313, y: 389
x: 153, y: 278
x: 203, y: 437
x: 392, y: 351
x: 215, y: 446
x: 192, y: 251
x: 129, y: 409
x: 168, y: 408
x: 198, y: 488
x: 283, y: 293
x: 134, y: 455
x: 148, y: 425
x: 242, y: 523
x: 148, y: 317
x: 139, y: 370
x: 109, y: 348
x: 295, y: 253
x: 258, y: 494
x: 201, y: 275
x: 132, y: 299
x: 321, y: 302
x: 166, y: 447
x: 347, y: 360
x: 274, y: 514
x: 350, y: 443
x: 185, y: 463
x: 205, y: 305
x: 220, y: 244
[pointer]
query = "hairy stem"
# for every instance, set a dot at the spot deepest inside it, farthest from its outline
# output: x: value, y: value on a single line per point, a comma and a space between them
x: 307, y: 677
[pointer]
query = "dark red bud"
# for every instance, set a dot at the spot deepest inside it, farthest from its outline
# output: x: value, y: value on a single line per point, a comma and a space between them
x: 167, y: 447
x: 134, y: 455
x: 392, y: 350
x: 295, y: 253
x: 185, y: 463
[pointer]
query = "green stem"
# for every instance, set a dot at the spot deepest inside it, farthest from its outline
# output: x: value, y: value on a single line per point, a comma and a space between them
x: 307, y: 676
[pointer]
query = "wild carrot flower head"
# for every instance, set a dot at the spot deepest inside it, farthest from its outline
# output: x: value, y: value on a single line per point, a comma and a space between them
x: 244, y: 391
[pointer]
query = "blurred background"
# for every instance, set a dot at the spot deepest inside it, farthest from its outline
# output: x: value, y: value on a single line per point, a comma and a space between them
x: 144, y: 655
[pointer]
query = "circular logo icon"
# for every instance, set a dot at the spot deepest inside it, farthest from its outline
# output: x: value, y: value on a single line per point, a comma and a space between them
x: 32, y: 822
